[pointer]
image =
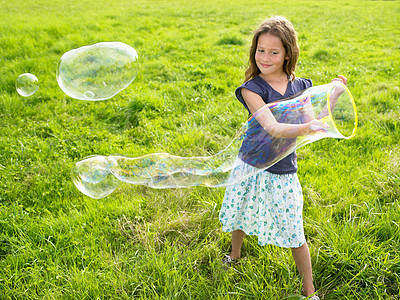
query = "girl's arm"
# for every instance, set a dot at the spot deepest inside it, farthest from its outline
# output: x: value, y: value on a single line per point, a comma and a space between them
x: 269, y: 123
x: 334, y: 96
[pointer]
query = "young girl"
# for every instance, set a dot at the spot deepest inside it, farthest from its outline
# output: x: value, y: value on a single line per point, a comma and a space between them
x: 269, y: 204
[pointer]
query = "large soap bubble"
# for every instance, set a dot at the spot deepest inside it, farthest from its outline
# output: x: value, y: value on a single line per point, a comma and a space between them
x: 97, y: 72
x: 252, y: 146
x: 93, y: 178
x: 26, y: 84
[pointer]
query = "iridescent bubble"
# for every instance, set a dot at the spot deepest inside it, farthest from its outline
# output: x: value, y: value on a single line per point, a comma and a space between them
x: 252, y: 150
x: 93, y: 177
x: 97, y: 72
x: 27, y: 84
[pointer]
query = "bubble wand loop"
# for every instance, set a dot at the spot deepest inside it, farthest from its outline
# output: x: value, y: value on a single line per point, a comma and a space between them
x: 98, y: 176
x: 331, y: 97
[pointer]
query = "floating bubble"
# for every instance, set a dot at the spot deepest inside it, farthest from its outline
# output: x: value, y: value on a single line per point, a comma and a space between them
x: 27, y: 84
x: 97, y: 72
x: 93, y: 177
x: 252, y: 150
x: 88, y: 95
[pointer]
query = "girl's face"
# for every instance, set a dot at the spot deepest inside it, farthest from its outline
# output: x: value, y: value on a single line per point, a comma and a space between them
x: 270, y: 56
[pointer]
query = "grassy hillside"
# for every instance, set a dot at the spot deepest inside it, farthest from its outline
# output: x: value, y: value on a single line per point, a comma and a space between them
x: 56, y: 243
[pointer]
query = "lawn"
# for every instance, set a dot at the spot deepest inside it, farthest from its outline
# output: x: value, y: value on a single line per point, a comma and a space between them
x: 143, y: 243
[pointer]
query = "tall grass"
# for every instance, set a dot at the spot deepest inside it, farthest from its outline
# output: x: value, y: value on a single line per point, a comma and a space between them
x: 56, y: 243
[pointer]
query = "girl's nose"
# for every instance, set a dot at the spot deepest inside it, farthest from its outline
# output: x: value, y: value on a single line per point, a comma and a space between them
x: 266, y: 59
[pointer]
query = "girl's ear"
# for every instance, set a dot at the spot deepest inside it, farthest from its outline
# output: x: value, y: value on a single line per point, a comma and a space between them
x: 287, y: 57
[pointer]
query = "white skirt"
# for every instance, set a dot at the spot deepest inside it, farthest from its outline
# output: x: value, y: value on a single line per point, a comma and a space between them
x: 267, y: 205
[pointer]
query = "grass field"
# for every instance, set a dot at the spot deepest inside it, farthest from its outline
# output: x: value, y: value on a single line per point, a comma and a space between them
x: 56, y: 243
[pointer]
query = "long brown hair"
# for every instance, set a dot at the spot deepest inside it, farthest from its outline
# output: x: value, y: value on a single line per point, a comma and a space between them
x: 283, y: 29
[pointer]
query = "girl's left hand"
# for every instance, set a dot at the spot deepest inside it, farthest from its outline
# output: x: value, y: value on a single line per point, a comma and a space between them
x: 341, y: 78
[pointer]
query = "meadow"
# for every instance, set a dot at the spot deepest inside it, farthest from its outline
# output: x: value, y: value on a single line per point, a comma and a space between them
x: 143, y: 243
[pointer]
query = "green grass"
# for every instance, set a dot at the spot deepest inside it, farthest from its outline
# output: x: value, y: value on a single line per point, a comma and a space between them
x: 56, y: 243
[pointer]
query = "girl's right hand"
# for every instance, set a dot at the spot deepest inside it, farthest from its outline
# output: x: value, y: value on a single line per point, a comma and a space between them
x: 317, y: 126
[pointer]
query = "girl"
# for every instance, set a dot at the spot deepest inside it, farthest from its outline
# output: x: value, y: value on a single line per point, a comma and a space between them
x: 269, y: 204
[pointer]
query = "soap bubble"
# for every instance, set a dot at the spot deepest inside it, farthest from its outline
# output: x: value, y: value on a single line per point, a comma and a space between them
x: 97, y: 72
x: 88, y: 95
x: 93, y: 178
x: 251, y: 151
x: 27, y: 84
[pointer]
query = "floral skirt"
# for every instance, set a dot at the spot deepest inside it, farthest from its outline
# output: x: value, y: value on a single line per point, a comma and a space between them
x: 267, y: 205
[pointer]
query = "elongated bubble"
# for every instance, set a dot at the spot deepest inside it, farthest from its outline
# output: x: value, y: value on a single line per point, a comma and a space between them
x: 252, y: 146
x: 92, y: 177
x: 97, y: 72
x: 27, y: 84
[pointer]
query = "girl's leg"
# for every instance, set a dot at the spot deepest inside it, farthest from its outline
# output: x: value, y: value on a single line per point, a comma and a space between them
x: 302, y: 258
x: 237, y: 240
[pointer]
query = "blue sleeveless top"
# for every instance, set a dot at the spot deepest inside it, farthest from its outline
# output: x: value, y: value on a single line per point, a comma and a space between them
x: 288, y: 165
